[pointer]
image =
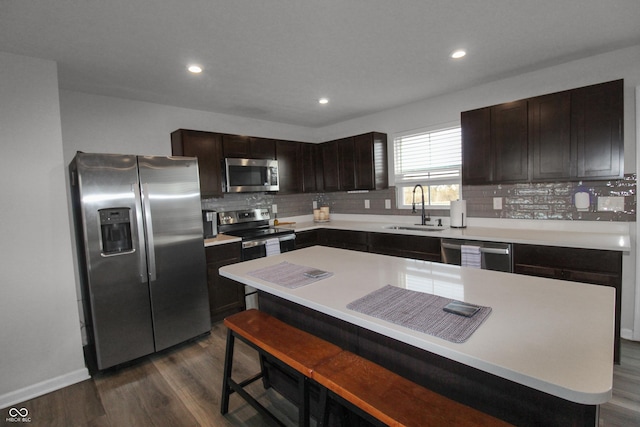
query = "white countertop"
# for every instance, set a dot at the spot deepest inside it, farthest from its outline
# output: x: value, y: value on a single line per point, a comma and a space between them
x: 550, y: 335
x: 573, y: 234
x: 221, y: 239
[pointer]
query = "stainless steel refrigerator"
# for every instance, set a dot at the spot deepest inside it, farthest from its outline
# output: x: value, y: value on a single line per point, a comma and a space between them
x: 141, y: 253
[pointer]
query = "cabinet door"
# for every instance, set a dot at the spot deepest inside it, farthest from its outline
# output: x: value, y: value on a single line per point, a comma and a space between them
x: 509, y: 141
x: 344, y: 239
x: 246, y: 147
x: 207, y: 147
x: 304, y: 239
x: 312, y: 179
x: 549, y: 136
x: 289, y: 155
x: 225, y: 296
x: 370, y: 158
x: 262, y: 148
x: 236, y: 146
x: 414, y: 247
x: 330, y: 166
x: 597, y: 130
x: 477, y: 165
x: 347, y: 164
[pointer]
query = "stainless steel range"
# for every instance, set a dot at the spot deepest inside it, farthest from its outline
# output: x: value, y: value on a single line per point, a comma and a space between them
x: 259, y: 239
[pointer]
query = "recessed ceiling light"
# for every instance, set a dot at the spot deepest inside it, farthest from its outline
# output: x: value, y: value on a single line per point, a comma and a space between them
x: 457, y: 54
x: 323, y: 101
x: 195, y: 69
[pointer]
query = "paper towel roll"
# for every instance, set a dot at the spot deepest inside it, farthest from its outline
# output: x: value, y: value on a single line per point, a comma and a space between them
x: 458, y: 214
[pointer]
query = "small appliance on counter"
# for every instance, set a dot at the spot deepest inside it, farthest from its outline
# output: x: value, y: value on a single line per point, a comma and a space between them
x: 210, y: 223
x: 458, y: 214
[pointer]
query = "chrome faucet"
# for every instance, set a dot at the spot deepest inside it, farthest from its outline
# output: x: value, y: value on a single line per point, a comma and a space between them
x: 423, y: 216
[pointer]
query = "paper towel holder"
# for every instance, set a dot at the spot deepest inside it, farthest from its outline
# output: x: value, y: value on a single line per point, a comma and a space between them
x: 458, y: 214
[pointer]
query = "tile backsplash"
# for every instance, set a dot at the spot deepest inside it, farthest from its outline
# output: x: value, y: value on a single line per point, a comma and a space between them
x: 543, y: 201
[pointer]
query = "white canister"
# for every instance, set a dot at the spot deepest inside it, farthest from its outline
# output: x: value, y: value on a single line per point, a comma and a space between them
x: 458, y: 212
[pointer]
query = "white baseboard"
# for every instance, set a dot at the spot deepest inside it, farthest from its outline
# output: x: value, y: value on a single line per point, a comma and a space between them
x: 43, y: 387
x: 626, y: 334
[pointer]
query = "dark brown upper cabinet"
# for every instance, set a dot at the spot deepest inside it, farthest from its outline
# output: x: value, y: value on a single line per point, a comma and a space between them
x: 207, y: 147
x: 371, y: 168
x: 312, y: 177
x: 549, y: 136
x: 597, y: 130
x: 331, y: 165
x: 289, y: 155
x: 356, y: 163
x: 566, y: 136
x: 248, y: 147
x: 347, y: 164
x: 509, y: 142
x: 477, y: 164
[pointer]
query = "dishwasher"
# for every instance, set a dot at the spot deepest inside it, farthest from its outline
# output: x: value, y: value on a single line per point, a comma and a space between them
x: 493, y: 255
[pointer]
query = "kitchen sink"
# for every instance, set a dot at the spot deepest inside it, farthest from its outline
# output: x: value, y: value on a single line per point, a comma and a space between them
x: 414, y: 227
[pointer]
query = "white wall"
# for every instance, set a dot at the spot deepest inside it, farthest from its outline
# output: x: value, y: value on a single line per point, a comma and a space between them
x: 40, y: 347
x: 102, y: 124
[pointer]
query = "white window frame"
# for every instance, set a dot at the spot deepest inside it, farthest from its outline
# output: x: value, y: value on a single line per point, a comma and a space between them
x: 403, y: 181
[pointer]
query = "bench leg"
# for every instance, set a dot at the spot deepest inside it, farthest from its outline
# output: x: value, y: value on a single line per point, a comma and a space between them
x: 303, y: 410
x: 323, y: 421
x: 228, y: 366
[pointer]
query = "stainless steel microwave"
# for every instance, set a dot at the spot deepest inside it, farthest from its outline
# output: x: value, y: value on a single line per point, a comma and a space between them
x: 251, y: 175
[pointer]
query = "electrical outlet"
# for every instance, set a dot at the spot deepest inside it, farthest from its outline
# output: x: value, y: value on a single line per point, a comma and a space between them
x: 315, y: 205
x: 387, y: 203
x: 610, y: 204
x: 497, y: 203
x: 367, y: 205
x: 274, y: 209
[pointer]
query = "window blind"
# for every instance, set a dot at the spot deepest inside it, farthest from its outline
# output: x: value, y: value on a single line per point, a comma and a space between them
x: 433, y: 155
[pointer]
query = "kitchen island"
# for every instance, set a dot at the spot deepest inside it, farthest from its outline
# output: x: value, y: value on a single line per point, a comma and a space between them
x: 544, y: 356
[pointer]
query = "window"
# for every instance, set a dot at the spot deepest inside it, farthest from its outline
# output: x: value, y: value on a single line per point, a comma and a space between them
x: 432, y: 159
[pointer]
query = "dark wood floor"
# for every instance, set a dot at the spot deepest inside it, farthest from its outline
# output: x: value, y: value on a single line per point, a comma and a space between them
x: 181, y: 387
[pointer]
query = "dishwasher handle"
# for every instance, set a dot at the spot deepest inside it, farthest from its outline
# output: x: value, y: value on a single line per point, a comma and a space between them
x: 495, y: 251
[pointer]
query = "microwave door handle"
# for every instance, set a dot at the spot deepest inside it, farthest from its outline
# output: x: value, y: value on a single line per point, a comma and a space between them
x: 149, y: 227
x: 142, y: 261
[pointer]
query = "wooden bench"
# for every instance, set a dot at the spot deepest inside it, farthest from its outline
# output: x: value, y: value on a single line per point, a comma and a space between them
x: 373, y: 392
x: 295, y: 351
x: 389, y: 398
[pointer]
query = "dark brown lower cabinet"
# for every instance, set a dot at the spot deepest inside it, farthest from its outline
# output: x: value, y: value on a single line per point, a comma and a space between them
x: 304, y: 239
x: 598, y: 267
x: 344, y: 239
x: 225, y: 296
x: 405, y: 246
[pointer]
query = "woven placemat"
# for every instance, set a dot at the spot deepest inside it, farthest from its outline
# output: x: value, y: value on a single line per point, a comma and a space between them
x: 287, y: 274
x: 419, y: 311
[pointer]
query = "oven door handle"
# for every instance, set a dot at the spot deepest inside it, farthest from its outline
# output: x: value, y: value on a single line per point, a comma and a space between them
x: 262, y: 242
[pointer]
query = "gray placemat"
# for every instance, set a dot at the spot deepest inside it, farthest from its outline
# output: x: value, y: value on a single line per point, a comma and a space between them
x: 287, y: 274
x: 419, y: 311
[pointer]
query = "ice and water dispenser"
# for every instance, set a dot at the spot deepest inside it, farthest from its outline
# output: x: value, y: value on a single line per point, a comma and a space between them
x: 115, y: 228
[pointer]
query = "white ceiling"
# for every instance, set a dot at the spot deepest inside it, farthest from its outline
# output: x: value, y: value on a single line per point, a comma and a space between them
x: 272, y: 60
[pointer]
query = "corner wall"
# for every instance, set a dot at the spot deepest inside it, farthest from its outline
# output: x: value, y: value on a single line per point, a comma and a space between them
x: 40, y: 346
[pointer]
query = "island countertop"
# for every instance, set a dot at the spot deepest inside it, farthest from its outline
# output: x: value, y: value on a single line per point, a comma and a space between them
x: 553, y: 336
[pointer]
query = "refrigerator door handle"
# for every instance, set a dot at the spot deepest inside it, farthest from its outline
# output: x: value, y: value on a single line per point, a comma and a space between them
x: 149, y: 227
x: 142, y: 262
